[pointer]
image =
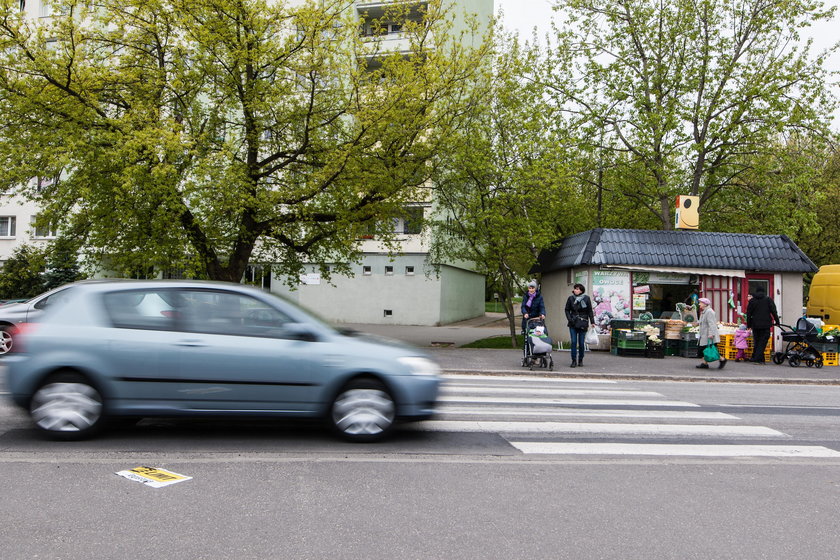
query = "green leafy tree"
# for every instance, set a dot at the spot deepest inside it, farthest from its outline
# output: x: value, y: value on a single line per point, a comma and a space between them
x: 62, y: 263
x: 202, y: 134
x: 503, y: 189
x: 821, y: 242
x: 21, y: 275
x: 682, y: 93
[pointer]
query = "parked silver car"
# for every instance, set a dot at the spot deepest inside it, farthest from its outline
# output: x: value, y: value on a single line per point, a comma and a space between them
x: 24, y: 312
x: 184, y: 348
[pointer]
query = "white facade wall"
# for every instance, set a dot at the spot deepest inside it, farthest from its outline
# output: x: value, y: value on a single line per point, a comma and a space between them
x: 23, y: 212
x: 405, y: 295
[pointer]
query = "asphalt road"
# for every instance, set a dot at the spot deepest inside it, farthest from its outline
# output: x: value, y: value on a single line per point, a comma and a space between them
x: 513, y: 467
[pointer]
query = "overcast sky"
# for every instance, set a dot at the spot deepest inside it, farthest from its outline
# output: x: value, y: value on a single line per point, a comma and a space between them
x: 524, y: 15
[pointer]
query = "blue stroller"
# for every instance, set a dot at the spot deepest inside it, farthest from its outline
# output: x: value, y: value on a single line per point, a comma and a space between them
x: 536, y: 350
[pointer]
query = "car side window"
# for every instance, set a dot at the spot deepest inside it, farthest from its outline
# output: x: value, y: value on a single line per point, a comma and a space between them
x: 220, y: 312
x: 52, y: 299
x: 142, y: 309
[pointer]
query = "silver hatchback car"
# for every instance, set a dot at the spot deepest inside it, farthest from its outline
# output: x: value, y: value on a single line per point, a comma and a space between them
x: 184, y: 348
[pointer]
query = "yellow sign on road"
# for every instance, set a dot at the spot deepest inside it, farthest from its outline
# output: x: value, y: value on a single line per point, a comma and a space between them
x: 153, y: 476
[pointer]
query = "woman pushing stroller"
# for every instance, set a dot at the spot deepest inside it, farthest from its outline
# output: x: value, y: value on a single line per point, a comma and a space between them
x: 533, y: 305
x: 536, y: 343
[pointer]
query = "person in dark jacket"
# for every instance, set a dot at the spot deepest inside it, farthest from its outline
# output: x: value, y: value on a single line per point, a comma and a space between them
x: 533, y: 306
x: 580, y: 317
x: 761, y: 315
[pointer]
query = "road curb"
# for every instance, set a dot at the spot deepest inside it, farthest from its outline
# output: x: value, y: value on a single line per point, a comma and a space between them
x: 641, y: 377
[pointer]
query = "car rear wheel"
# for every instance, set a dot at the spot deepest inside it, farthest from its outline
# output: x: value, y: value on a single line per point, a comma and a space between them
x: 67, y: 407
x: 363, y: 411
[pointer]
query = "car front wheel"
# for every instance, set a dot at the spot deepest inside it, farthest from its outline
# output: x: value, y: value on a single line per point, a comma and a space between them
x: 363, y: 411
x: 67, y: 407
x: 6, y: 340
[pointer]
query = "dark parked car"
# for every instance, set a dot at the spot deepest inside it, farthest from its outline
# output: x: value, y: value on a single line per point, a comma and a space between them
x: 181, y: 348
x: 17, y: 311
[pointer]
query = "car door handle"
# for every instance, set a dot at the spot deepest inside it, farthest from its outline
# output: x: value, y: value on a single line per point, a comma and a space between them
x: 191, y: 343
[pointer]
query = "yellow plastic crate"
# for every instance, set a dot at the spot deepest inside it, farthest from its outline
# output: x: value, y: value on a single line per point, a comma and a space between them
x: 768, y: 353
x: 831, y: 359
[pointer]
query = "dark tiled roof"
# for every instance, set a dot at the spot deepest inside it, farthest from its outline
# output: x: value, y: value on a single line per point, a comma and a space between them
x: 677, y: 248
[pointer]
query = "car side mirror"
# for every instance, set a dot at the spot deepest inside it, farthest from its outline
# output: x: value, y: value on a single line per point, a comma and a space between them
x: 300, y: 331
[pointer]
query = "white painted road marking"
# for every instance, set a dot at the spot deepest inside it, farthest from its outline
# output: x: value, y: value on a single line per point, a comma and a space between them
x: 578, y: 402
x: 456, y: 390
x: 525, y: 378
x: 681, y: 414
x: 535, y: 447
x: 600, y: 428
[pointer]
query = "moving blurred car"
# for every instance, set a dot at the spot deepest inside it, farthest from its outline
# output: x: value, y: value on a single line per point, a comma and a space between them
x: 182, y: 348
x: 15, y: 311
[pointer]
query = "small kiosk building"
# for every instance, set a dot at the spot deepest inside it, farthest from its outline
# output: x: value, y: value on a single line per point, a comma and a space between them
x: 628, y: 273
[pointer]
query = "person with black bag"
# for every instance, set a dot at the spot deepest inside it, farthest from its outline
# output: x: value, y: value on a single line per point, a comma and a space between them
x: 580, y: 316
x: 761, y: 315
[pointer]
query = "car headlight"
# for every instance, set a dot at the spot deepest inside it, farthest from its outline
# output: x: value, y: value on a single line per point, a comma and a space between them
x: 420, y: 366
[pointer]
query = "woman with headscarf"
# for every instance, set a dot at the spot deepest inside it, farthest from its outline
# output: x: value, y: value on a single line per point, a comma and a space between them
x: 580, y: 316
x: 708, y: 334
x: 532, y: 305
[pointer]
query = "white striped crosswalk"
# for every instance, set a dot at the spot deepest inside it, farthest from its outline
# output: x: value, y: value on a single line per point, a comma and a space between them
x: 576, y: 417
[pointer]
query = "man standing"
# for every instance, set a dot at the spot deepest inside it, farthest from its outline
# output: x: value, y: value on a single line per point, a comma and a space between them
x: 761, y: 315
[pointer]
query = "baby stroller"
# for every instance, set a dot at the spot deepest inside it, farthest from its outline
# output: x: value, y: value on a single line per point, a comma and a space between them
x: 537, y: 348
x: 799, y: 348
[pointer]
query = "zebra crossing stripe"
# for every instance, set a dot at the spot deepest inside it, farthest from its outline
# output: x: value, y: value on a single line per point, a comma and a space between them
x: 603, y: 413
x: 526, y: 379
x: 577, y: 402
x: 600, y: 428
x: 450, y: 390
x: 534, y: 447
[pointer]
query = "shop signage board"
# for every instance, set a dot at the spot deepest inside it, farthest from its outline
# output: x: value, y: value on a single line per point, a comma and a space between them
x: 660, y: 278
x: 611, y: 293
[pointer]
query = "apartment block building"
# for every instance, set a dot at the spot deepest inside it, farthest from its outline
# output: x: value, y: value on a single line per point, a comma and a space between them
x: 386, y: 287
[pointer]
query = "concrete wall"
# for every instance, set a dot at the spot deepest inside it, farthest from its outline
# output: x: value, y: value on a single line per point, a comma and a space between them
x: 788, y: 298
x: 411, y: 299
x: 556, y: 289
x: 462, y: 295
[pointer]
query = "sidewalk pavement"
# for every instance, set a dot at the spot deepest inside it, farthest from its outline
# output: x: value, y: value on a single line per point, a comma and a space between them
x: 442, y: 343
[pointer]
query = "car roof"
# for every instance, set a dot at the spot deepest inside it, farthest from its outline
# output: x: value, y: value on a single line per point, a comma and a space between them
x: 107, y: 284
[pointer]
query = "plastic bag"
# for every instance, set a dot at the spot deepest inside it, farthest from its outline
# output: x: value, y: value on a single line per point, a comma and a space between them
x: 710, y: 353
x: 591, y: 337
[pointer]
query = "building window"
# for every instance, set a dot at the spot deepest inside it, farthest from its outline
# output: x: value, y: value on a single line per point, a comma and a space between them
x: 389, y: 271
x: 49, y: 9
x: 388, y: 313
x: 366, y: 270
x: 7, y: 226
x: 409, y: 271
x: 43, y: 230
x: 411, y: 222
